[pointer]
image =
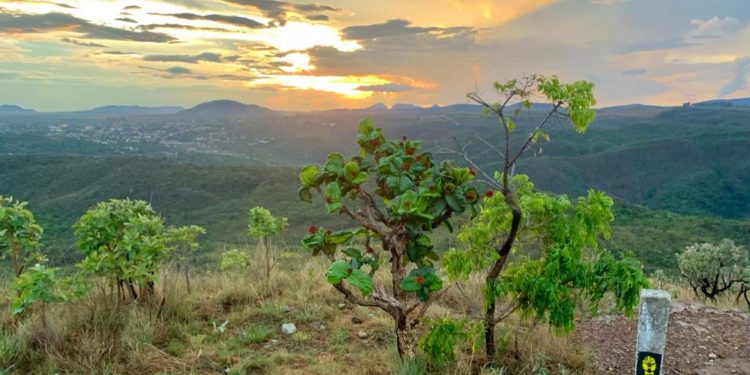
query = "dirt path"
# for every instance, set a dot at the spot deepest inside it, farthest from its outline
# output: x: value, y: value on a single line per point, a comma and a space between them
x: 700, y: 340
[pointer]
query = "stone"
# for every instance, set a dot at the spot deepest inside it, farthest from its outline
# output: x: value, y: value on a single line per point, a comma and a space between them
x: 713, y: 356
x: 362, y: 334
x: 342, y: 306
x: 288, y: 328
x: 285, y: 309
x: 356, y: 320
x: 274, y: 342
x: 653, y: 317
x: 370, y: 315
x: 322, y: 327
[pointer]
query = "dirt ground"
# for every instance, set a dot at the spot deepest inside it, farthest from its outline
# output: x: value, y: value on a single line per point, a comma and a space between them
x: 701, y: 340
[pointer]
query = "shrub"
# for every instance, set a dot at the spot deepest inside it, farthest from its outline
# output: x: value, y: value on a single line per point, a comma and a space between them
x: 412, y: 196
x: 19, y: 233
x: 234, y: 260
x: 263, y: 225
x: 713, y: 269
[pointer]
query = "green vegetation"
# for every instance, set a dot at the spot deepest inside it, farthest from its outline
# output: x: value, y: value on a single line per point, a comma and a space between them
x: 413, y: 195
x: 715, y: 269
x: 262, y: 226
x: 19, y: 233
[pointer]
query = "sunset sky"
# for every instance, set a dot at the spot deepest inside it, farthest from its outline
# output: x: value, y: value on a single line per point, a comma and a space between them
x: 299, y: 55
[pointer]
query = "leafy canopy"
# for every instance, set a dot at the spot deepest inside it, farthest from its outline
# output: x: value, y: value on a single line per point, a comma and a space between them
x: 558, y: 260
x: 263, y: 224
x: 714, y: 268
x: 414, y: 196
x: 19, y: 232
x: 122, y: 239
x: 36, y: 284
x: 234, y: 260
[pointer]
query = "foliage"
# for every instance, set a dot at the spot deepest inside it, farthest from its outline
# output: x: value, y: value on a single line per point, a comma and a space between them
x: 233, y: 260
x: 181, y: 241
x: 263, y: 224
x: 714, y: 268
x: 36, y: 284
x: 412, y: 196
x: 123, y: 240
x: 554, y: 242
x: 444, y: 335
x: 19, y: 233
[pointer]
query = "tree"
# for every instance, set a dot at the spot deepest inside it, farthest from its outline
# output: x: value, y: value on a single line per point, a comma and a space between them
x: 234, y: 259
x: 123, y: 240
x: 36, y: 284
x: 713, y: 269
x: 19, y: 233
x: 412, y: 196
x: 263, y: 225
x: 557, y: 259
x: 182, y: 242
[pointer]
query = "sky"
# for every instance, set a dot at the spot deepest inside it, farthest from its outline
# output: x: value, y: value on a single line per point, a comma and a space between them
x: 58, y: 55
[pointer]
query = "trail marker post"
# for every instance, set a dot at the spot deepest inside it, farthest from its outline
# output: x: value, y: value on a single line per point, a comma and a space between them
x: 653, y: 317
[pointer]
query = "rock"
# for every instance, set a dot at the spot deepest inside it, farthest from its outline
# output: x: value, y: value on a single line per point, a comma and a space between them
x: 342, y: 306
x: 274, y: 342
x: 356, y: 320
x: 322, y: 327
x: 288, y: 328
x: 268, y: 347
x: 370, y: 315
x: 285, y: 309
x: 362, y: 334
x: 713, y: 356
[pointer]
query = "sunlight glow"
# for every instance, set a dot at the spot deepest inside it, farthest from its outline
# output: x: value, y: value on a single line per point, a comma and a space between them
x: 346, y: 85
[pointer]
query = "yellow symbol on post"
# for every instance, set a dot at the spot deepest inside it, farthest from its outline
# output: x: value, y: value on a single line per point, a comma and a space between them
x: 649, y: 365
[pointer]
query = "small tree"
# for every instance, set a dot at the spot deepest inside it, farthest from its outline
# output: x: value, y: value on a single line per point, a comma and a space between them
x: 182, y: 242
x: 558, y: 257
x: 233, y: 260
x: 123, y: 240
x: 37, y: 284
x: 713, y: 269
x: 263, y: 225
x: 413, y: 195
x: 19, y: 233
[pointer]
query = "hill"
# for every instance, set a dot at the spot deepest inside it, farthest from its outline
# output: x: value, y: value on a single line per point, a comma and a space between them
x: 60, y: 188
x: 7, y: 109
x: 226, y: 109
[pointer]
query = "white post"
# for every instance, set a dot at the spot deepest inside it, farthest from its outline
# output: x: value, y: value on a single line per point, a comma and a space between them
x: 653, y: 317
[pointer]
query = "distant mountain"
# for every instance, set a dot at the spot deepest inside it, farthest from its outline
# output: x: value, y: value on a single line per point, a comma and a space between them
x: 226, y: 109
x: 376, y: 107
x: 740, y: 102
x: 121, y: 110
x: 406, y: 107
x: 7, y: 109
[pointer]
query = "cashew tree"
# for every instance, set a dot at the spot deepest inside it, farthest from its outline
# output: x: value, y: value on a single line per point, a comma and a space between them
x: 19, y: 233
x: 395, y: 195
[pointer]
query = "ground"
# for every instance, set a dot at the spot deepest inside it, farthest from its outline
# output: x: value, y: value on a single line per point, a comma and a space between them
x: 695, y: 332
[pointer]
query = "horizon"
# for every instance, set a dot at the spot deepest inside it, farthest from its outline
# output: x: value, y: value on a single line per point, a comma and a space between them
x: 303, y: 56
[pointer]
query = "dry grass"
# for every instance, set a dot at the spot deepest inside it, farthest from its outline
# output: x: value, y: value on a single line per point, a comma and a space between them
x: 185, y: 335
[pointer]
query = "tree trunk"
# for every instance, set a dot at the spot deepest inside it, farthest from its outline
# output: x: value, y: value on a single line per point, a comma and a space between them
x: 133, y: 293
x: 14, y: 258
x: 187, y: 280
x: 267, y: 250
x: 404, y: 340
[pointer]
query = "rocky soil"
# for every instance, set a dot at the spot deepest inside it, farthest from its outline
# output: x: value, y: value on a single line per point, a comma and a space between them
x: 701, y: 340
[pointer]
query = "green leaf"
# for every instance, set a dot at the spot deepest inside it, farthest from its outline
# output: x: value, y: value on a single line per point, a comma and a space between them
x: 334, y: 163
x: 308, y: 175
x: 304, y: 194
x: 351, y: 171
x: 339, y: 270
x: 333, y: 197
x: 361, y: 178
x: 361, y: 281
x: 352, y: 252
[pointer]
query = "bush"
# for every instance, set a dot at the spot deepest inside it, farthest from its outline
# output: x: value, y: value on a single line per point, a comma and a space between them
x: 713, y: 269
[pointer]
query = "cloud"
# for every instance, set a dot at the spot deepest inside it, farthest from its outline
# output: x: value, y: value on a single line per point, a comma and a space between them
x: 399, y: 27
x: 117, y: 53
x: 317, y: 17
x: 388, y: 87
x: 41, y: 23
x: 221, y: 18
x: 179, y: 27
x: 634, y: 72
x: 278, y: 9
x: 714, y: 27
x: 126, y: 19
x: 189, y: 59
x: 80, y: 43
x: 739, y: 81
x: 8, y: 75
x: 178, y: 70
x: 131, y: 7
x: 658, y: 44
